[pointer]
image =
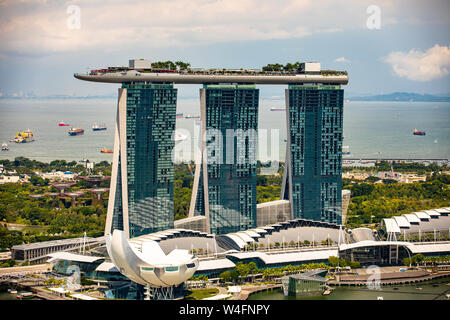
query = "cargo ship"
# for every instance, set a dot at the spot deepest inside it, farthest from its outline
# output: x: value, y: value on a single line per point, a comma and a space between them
x: 277, y: 109
x: 23, y: 136
x: 104, y: 150
x: 345, y: 150
x: 97, y: 127
x: 191, y: 117
x: 76, y: 131
x: 418, y: 133
x: 179, y: 115
x: 62, y: 124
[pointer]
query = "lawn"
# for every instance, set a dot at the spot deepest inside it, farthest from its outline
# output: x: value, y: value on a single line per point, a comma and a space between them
x: 199, y: 294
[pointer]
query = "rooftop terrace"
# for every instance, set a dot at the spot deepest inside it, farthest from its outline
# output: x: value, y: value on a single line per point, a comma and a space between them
x: 148, y: 72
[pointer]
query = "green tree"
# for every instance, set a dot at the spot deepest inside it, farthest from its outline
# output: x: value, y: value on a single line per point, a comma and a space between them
x: 333, y: 261
x: 38, y: 181
x: 406, y: 261
x: 417, y: 259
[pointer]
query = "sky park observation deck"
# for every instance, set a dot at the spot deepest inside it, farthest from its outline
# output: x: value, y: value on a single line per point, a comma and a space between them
x: 142, y: 179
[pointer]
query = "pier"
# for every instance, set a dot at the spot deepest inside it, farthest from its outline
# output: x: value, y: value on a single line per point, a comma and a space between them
x: 246, y: 291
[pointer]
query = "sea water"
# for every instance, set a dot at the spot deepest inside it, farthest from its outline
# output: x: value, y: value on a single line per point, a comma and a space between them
x: 436, y: 289
x: 371, y: 129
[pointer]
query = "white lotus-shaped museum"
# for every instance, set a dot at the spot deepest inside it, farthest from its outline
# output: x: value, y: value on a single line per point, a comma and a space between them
x: 145, y: 262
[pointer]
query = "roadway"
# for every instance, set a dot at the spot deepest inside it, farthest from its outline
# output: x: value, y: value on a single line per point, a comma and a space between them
x: 14, y: 271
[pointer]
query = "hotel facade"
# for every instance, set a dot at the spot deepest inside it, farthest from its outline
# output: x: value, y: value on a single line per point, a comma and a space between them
x: 313, y: 166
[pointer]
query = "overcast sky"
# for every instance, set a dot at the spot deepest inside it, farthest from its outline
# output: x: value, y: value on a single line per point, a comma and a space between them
x: 43, y: 42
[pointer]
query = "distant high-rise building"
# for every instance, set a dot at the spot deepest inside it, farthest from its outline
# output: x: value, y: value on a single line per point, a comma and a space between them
x: 225, y: 180
x: 142, y: 190
x: 313, y: 171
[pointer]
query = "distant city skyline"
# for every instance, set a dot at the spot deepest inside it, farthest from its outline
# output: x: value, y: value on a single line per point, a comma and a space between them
x: 44, y: 43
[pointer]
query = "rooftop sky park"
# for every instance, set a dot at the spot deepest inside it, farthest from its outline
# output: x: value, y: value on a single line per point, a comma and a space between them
x: 182, y: 73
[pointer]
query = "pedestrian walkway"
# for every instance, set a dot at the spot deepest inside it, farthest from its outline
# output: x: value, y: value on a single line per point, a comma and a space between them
x: 218, y: 297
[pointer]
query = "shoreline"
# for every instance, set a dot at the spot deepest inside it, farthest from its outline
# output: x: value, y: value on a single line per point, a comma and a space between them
x: 371, y: 159
x: 245, y: 294
x: 392, y: 281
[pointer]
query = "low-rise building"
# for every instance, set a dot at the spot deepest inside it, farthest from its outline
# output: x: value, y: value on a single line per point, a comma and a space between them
x: 59, y: 176
x: 383, y: 253
x: 280, y: 210
x: 388, y: 175
x: 5, y: 255
x: 197, y: 223
x: 307, y: 283
x: 9, y: 179
x: 410, y: 178
x: 38, y: 251
x: 272, y: 212
x: 421, y: 225
x: 355, y: 175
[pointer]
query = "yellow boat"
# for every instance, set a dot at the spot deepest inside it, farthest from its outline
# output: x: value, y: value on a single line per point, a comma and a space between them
x: 24, y: 136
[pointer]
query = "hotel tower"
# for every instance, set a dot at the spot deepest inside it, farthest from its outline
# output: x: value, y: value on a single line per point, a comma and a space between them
x: 224, y: 190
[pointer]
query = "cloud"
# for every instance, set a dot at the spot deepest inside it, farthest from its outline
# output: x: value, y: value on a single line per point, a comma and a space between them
x: 40, y: 26
x: 36, y: 27
x: 416, y: 65
x: 342, y: 59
